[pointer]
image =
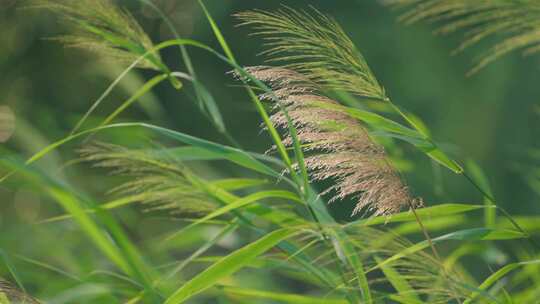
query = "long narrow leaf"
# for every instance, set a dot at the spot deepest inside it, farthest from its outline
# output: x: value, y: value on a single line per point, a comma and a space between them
x: 428, y: 212
x: 476, y: 234
x: 277, y: 296
x: 227, y: 266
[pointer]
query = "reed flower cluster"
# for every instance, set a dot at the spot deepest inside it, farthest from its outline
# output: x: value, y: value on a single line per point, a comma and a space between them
x: 513, y: 23
x: 104, y: 28
x: 153, y: 179
x: 338, y: 147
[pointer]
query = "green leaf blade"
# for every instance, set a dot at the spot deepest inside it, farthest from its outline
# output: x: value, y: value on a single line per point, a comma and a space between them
x: 227, y: 266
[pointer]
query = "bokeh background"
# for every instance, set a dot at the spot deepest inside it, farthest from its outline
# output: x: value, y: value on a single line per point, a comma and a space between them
x: 491, y: 117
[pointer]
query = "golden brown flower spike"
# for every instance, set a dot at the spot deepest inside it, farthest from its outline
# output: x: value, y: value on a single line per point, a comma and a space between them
x: 338, y: 146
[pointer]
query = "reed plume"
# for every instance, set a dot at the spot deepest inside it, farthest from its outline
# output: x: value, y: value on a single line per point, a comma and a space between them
x: 338, y: 147
x: 154, y: 178
x: 316, y: 46
x: 517, y: 22
x: 102, y: 27
x: 317, y: 57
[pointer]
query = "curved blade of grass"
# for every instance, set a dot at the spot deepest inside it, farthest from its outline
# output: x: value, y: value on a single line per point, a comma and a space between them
x: 210, y: 105
x: 134, y: 64
x: 11, y: 269
x: 191, y: 153
x: 223, y: 233
x: 528, y: 223
x: 232, y: 184
x: 108, y: 91
x: 206, y: 101
x: 417, y: 137
x: 115, y: 246
x: 475, y: 234
x: 242, y: 202
x: 411, y: 136
x: 375, y: 120
x: 118, y: 203
x: 187, y: 153
x: 276, y: 296
x: 260, y: 108
x: 149, y: 103
x: 234, y: 155
x: 73, y: 206
x: 130, y: 253
x: 356, y: 265
x: 439, y: 223
x: 229, y: 184
x: 140, y: 92
x: 477, y: 174
x: 496, y: 276
x: 401, y: 285
x: 428, y: 212
x: 279, y: 217
x: 48, y: 267
x: 435, y: 153
x: 228, y: 266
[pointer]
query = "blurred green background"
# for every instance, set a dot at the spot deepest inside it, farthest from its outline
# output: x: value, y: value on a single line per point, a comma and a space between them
x: 491, y: 117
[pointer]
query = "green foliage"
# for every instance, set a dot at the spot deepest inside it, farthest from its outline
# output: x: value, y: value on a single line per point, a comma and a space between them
x: 227, y: 266
x: 261, y: 229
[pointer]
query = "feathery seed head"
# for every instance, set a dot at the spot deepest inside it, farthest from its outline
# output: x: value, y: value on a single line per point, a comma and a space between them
x: 316, y: 46
x: 515, y: 21
x: 155, y: 179
x: 318, y: 57
x: 102, y: 27
x: 338, y: 146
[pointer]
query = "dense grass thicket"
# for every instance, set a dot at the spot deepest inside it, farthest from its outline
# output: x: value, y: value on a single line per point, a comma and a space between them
x: 116, y: 203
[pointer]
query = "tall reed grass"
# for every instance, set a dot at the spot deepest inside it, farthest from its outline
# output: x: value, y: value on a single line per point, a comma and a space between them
x: 315, y: 97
